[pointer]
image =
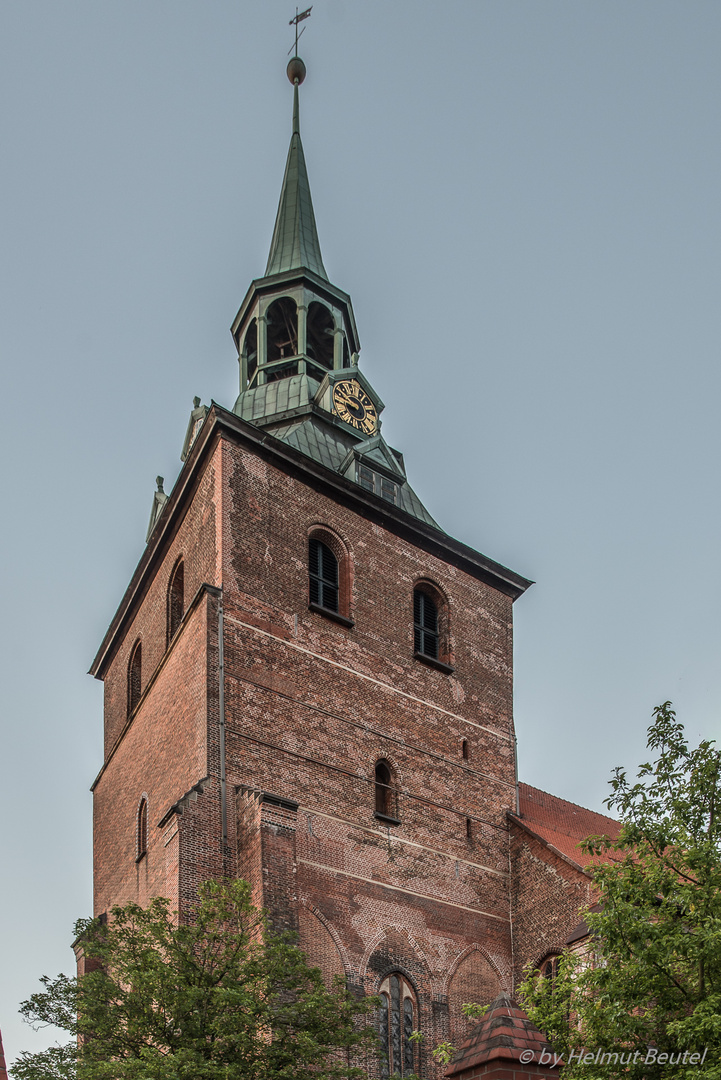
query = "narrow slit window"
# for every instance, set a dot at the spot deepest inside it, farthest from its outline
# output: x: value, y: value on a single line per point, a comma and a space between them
x: 142, y: 828
x: 176, y: 600
x: 464, y: 749
x: 323, y: 575
x: 250, y: 350
x: 134, y: 677
x: 425, y: 625
x: 469, y: 829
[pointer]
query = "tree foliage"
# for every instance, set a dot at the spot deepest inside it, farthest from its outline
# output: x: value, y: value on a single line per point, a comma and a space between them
x: 218, y: 998
x: 652, y: 977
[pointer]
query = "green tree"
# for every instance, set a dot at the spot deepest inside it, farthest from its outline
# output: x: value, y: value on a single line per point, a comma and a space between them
x: 653, y: 976
x: 218, y: 998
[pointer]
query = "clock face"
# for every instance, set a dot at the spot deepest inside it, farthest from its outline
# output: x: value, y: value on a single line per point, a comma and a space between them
x: 354, y: 407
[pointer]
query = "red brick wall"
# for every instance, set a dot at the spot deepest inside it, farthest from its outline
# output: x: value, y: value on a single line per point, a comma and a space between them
x: 195, y: 542
x: 161, y: 756
x: 548, y: 894
x: 249, y: 855
x: 476, y: 980
x: 310, y: 707
x: 316, y: 940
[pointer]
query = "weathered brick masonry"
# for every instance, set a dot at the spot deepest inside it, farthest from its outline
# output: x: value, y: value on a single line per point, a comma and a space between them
x: 249, y: 723
x: 549, y: 885
x: 310, y: 706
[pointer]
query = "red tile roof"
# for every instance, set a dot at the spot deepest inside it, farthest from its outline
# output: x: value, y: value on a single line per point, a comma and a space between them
x: 504, y: 1032
x: 563, y: 824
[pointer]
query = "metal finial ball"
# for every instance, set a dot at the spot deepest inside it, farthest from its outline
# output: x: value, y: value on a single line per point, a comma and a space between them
x: 296, y: 70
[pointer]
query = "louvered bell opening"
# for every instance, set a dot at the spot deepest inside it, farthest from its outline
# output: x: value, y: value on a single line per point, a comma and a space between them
x: 425, y: 625
x: 323, y: 575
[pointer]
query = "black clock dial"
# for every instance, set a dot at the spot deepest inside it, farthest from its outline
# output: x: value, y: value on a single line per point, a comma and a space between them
x: 354, y: 407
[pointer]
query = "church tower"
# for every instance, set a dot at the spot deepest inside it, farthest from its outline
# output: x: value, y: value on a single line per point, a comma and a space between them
x: 308, y: 683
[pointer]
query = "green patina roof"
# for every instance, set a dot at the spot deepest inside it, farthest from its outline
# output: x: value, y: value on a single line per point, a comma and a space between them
x: 329, y: 446
x: 288, y: 407
x: 295, y: 236
x: 321, y: 440
x: 274, y: 398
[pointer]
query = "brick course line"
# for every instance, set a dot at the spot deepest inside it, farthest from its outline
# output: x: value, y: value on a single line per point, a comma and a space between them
x: 368, y: 678
x: 235, y: 734
x: 398, y: 888
x: 402, y: 840
x: 367, y: 727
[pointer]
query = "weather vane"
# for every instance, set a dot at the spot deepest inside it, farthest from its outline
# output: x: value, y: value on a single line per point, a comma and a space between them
x: 294, y: 22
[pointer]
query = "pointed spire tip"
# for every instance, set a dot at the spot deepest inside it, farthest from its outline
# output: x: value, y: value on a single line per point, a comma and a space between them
x: 295, y: 237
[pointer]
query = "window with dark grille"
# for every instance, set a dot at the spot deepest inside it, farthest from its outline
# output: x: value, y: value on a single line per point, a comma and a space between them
x: 134, y: 677
x: 397, y: 1020
x: 142, y: 828
x: 389, y: 490
x: 385, y: 803
x: 379, y: 485
x: 549, y: 968
x: 425, y: 624
x: 176, y: 600
x: 323, y: 575
x: 366, y: 478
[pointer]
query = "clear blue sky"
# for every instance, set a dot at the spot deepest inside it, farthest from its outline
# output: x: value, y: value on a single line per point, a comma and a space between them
x: 522, y: 199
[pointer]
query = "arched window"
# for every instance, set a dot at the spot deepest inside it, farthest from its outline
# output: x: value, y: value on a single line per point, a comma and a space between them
x: 320, y: 335
x: 397, y: 1020
x: 548, y: 968
x: 322, y: 575
x: 384, y: 791
x: 282, y: 337
x: 134, y: 677
x: 142, y: 844
x: 425, y: 624
x: 176, y: 600
x: 250, y: 352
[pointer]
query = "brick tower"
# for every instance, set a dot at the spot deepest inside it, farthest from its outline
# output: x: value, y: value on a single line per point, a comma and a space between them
x: 308, y: 683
